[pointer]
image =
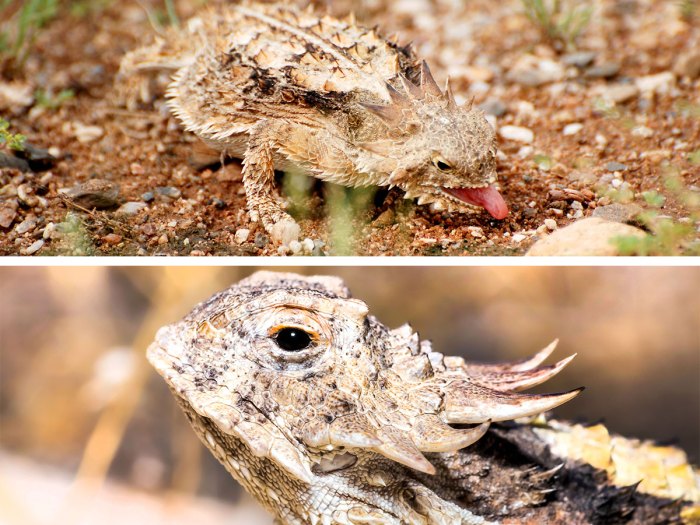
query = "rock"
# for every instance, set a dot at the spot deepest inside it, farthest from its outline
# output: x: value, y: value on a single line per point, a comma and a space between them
x: 241, y: 235
x: 519, y: 237
x: 15, y: 96
x: 572, y: 129
x: 688, y: 65
x: 131, y: 208
x: 26, y: 225
x: 616, y: 212
x: 12, y: 162
x: 579, y: 59
x: 136, y: 169
x: 169, y: 192
x: 615, y: 166
x: 148, y: 196
x: 285, y: 231
x: 39, y: 159
x: 533, y: 72
x: 261, y: 240
x: 517, y: 133
x: 86, y: 134
x: 34, y: 247
x: 642, y: 131
x: 296, y: 247
x: 386, y: 218
x: 112, y: 238
x: 607, y: 70
x: 308, y: 245
x: 660, y: 83
x: 494, y: 107
x: 8, y: 213
x: 550, y: 224
x: 619, y: 93
x: 97, y: 194
x: 590, y: 236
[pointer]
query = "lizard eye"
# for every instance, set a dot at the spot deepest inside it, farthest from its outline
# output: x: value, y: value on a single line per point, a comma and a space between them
x: 440, y: 164
x: 293, y: 339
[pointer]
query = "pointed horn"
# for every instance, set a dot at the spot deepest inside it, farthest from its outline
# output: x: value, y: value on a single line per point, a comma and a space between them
x: 449, y: 96
x: 396, y: 445
x: 388, y: 114
x: 514, y: 366
x: 514, y: 381
x: 397, y: 97
x: 467, y: 402
x: 427, y: 82
x: 430, y: 434
x: 353, y: 430
x: 410, y: 88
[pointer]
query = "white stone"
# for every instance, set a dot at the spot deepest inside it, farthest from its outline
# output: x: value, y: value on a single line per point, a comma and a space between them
x: 241, y: 235
x: 659, y: 83
x: 518, y: 237
x: 551, y: 224
x: 85, y: 133
x: 591, y: 236
x: 517, y: 133
x: 572, y: 129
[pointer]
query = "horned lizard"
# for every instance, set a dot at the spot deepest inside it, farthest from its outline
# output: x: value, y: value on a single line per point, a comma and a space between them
x: 280, y: 87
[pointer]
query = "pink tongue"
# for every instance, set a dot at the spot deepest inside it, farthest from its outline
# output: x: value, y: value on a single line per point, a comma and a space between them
x: 488, y: 198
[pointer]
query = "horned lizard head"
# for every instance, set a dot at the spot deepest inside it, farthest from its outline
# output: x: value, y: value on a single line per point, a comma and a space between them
x: 445, y: 154
x: 298, y: 374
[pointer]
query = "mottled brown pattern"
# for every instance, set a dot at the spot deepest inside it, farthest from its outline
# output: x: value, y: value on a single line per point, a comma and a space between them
x: 278, y: 87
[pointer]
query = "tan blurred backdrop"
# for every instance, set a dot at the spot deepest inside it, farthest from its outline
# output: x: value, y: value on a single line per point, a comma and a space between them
x: 86, y: 426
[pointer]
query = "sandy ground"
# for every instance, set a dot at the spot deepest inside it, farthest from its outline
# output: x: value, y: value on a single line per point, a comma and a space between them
x: 616, y: 121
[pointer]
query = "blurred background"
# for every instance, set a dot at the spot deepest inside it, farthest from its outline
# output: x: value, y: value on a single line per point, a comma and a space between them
x: 91, y: 432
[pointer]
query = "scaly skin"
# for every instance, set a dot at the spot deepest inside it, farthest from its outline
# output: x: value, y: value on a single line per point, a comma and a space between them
x: 281, y: 87
x: 336, y: 431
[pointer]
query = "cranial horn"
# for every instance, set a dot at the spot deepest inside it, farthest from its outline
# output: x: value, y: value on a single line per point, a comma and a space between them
x: 388, y: 114
x: 396, y: 445
x: 515, y: 366
x: 397, y: 97
x: 427, y: 82
x: 508, y: 380
x: 410, y: 88
x: 430, y: 434
x: 353, y: 430
x: 449, y: 96
x: 467, y: 402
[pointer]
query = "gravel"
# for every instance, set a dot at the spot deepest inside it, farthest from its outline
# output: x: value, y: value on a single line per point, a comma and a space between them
x: 517, y: 133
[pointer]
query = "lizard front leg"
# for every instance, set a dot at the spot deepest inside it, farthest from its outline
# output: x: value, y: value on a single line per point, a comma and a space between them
x: 259, y: 183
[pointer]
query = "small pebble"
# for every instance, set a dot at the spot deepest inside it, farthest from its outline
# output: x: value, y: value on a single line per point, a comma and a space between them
x: 688, y: 65
x: 619, y: 93
x: 261, y: 240
x: 580, y: 59
x: 494, y: 107
x: 295, y: 246
x: 86, y: 134
x: 26, y: 225
x: 49, y: 229
x: 517, y: 133
x: 148, y: 196
x: 131, y: 208
x: 660, y: 83
x: 607, y: 70
x: 572, y: 129
x: 8, y: 213
x: 34, y: 247
x: 163, y: 239
x: 308, y: 245
x: 615, y: 166
x: 98, y: 194
x: 618, y: 212
x: 136, y: 169
x: 241, y: 235
x: 169, y: 192
x: 518, y: 237
x: 551, y: 224
x: 112, y: 238
x: 642, y: 131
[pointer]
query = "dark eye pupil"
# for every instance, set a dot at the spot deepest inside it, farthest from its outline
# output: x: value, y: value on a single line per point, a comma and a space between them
x: 442, y: 166
x: 292, y: 339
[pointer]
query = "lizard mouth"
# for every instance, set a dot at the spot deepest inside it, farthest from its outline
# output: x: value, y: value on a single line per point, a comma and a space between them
x: 486, y: 197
